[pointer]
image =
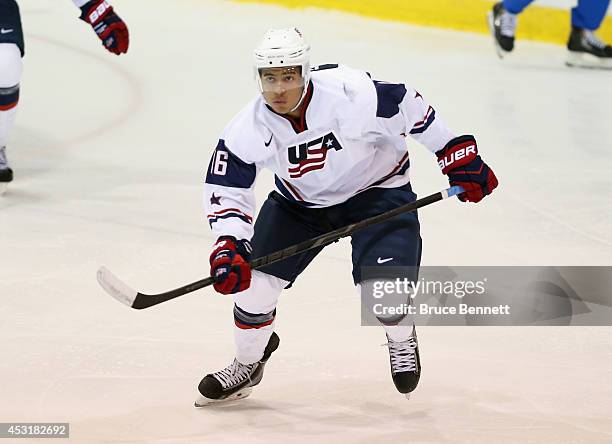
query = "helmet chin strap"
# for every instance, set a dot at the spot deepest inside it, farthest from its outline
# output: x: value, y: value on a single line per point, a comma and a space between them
x: 301, y: 98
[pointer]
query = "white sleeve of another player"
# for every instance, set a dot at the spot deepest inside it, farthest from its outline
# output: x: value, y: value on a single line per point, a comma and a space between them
x: 79, y: 3
x: 229, y: 198
x: 423, y: 122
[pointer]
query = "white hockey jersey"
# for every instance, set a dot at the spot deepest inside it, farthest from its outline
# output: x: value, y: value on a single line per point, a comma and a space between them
x: 351, y: 137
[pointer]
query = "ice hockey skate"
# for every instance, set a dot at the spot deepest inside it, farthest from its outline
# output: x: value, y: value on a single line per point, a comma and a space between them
x: 6, y: 173
x: 405, y: 363
x: 502, y: 25
x: 588, y: 51
x: 236, y: 381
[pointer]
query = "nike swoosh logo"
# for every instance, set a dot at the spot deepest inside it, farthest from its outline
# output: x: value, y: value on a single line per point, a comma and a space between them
x: 5, y: 31
x: 269, y: 141
x: 380, y: 260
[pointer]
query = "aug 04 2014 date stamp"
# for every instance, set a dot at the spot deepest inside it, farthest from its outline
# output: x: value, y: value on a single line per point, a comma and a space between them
x: 34, y: 430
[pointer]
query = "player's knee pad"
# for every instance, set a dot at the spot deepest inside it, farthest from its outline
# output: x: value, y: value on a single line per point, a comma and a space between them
x: 11, y: 65
x: 259, y: 299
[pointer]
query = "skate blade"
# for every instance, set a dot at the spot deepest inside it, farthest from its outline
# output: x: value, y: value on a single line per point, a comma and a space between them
x: 203, y: 401
x: 3, y: 188
x: 588, y: 61
x: 407, y: 395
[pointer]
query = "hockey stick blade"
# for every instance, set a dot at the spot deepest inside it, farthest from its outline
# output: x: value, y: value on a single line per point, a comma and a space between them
x: 115, y: 287
x: 126, y: 295
x: 132, y: 298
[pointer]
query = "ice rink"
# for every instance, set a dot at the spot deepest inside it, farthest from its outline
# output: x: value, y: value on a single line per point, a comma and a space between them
x: 109, y: 157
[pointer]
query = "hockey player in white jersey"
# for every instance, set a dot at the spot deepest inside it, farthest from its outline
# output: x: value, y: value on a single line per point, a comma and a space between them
x: 335, y: 140
x: 110, y: 29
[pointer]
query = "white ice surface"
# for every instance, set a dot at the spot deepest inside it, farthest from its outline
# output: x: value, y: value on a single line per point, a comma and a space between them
x: 109, y: 157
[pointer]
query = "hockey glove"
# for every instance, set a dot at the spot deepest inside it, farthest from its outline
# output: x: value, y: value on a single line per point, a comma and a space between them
x: 108, y: 26
x: 229, y: 265
x: 460, y: 161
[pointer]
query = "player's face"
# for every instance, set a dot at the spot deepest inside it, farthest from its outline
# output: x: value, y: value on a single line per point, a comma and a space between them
x: 282, y: 87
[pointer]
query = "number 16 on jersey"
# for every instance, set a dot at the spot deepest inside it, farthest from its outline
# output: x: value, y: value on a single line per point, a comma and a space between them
x: 219, y: 165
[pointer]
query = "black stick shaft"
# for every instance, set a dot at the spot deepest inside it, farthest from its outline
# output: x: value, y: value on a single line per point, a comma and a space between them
x: 144, y: 301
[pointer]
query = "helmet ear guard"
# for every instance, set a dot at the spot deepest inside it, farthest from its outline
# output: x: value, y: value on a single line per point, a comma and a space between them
x: 283, y: 48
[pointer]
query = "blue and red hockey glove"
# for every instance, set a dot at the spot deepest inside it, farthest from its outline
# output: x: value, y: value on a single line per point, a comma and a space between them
x: 229, y: 265
x: 108, y: 26
x: 460, y: 161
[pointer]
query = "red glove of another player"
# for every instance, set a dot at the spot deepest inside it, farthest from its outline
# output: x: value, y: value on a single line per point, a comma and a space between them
x: 460, y: 161
x: 229, y: 265
x: 108, y: 26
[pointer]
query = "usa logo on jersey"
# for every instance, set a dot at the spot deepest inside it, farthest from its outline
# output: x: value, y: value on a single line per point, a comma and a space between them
x: 311, y: 156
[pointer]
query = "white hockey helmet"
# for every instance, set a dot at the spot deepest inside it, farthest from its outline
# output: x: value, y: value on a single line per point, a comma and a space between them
x: 280, y: 48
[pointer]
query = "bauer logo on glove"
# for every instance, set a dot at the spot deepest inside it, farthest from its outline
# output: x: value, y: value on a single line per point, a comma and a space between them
x: 452, y: 159
x: 98, y: 12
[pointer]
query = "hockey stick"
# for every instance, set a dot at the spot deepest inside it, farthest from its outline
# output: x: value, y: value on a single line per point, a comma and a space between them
x: 130, y: 297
